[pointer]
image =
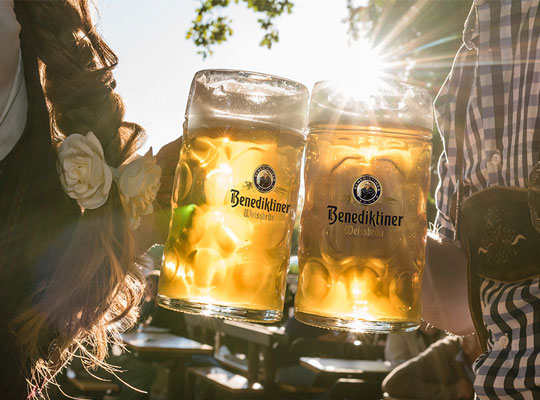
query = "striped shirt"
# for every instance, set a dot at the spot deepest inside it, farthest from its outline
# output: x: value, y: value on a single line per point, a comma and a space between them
x: 511, y: 366
x: 501, y: 53
x: 493, y: 92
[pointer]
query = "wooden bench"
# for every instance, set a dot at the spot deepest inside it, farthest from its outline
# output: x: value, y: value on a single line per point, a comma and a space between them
x: 221, y: 379
x: 347, y: 388
x: 299, y: 390
x: 253, y: 368
x: 171, y: 349
x: 372, y: 370
x: 259, y: 341
x: 94, y: 386
x: 88, y: 386
x: 234, y: 362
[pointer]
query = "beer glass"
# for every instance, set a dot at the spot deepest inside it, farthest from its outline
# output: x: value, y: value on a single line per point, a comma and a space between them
x: 235, y: 195
x: 363, y: 225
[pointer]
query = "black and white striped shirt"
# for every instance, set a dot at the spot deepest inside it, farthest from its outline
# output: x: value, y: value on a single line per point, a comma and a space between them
x: 502, y: 114
x: 493, y: 91
x: 511, y: 366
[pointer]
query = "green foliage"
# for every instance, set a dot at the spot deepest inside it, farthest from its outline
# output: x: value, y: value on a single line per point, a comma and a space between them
x: 420, y: 37
x: 210, y: 29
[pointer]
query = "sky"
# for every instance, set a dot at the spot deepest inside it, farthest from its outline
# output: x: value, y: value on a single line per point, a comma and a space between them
x: 157, y: 62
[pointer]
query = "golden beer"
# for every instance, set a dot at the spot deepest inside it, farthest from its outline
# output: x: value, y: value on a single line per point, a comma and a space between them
x: 234, y: 205
x: 363, y: 226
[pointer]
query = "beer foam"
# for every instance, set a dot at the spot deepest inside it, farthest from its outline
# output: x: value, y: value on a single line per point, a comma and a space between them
x: 246, y: 96
x: 250, y: 89
x: 381, y: 104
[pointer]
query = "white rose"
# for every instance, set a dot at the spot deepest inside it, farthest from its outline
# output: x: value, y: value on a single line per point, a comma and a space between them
x: 138, y: 183
x: 84, y: 174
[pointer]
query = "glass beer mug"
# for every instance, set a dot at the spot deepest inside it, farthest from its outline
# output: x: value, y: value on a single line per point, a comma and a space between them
x: 235, y: 196
x: 363, y: 226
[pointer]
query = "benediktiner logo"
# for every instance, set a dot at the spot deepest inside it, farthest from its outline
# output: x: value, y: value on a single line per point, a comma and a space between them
x: 264, y: 178
x: 367, y: 190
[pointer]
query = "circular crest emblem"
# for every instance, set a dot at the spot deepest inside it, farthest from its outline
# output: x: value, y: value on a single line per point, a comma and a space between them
x: 367, y: 190
x: 264, y: 178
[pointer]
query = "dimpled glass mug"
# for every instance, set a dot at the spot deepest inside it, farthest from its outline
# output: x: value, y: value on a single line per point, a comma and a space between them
x: 363, y: 225
x: 235, y: 195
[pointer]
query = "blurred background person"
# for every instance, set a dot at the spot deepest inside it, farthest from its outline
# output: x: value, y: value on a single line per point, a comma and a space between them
x: 402, y: 346
x: 443, y: 371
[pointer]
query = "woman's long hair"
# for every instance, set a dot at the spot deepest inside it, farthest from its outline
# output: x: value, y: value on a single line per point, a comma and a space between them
x: 95, y: 287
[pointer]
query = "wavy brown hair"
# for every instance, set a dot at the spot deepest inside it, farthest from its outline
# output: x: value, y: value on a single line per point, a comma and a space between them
x: 94, y: 289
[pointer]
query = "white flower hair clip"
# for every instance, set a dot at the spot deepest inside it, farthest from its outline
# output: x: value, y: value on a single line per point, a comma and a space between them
x: 87, y: 178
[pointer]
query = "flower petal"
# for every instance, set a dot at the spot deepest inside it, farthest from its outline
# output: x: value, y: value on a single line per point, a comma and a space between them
x: 83, y: 171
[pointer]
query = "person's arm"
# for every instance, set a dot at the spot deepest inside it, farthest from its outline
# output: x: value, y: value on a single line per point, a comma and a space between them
x: 154, y: 227
x: 444, y: 297
x: 395, y: 349
x: 445, y: 302
x: 13, y: 103
x: 9, y: 49
x: 430, y: 375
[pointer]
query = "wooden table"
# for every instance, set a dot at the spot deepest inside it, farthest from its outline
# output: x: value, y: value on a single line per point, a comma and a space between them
x: 257, y: 336
x: 165, y: 346
x: 278, y: 333
x: 366, y: 369
x: 226, y: 380
x: 175, y: 346
x: 216, y: 324
x: 259, y: 339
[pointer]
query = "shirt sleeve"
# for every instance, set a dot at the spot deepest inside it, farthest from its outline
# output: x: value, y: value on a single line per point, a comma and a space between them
x: 452, y: 101
x: 446, y: 189
x: 13, y: 101
x: 430, y: 375
x: 403, y: 346
x: 395, y: 349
